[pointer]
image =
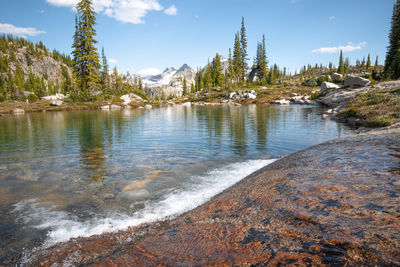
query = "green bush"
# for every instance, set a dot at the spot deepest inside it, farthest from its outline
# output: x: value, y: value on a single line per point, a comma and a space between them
x: 350, y: 113
x: 2, y: 98
x: 381, y: 121
x: 315, y: 95
x: 32, y: 98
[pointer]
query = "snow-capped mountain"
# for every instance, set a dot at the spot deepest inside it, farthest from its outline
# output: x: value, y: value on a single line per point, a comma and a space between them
x: 161, y: 79
x: 170, y: 81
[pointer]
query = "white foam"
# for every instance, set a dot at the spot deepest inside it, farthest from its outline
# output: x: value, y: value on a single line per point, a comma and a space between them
x: 63, y: 226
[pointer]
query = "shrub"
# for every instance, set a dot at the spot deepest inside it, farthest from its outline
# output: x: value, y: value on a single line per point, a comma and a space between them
x: 315, y: 95
x: 381, y: 121
x: 2, y: 98
x: 33, y: 98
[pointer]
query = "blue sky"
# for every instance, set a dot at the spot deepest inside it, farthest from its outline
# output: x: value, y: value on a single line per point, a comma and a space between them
x: 138, y: 35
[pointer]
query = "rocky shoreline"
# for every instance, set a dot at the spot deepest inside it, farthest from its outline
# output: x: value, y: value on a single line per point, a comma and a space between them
x: 336, y: 203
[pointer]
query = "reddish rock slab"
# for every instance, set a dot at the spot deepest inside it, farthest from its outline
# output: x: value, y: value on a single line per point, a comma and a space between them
x: 337, y: 203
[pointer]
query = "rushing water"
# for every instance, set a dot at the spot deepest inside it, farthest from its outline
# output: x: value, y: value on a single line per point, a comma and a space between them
x: 70, y: 174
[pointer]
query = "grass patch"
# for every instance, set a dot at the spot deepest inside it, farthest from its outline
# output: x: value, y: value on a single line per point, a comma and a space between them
x: 379, y: 108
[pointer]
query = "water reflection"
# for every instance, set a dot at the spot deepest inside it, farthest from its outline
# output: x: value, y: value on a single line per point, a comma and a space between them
x: 91, y: 163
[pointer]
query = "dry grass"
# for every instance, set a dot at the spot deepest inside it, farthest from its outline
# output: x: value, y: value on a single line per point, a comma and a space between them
x: 378, y: 108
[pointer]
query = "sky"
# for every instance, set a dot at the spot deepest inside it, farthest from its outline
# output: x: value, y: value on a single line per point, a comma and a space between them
x: 147, y: 36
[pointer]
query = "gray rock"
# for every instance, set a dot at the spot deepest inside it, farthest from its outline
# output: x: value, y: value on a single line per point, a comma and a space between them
x: 55, y: 102
x: 148, y: 106
x: 336, y: 77
x: 115, y: 107
x: 309, y: 82
x: 338, y: 99
x: 135, y: 195
x: 281, y: 102
x: 355, y: 81
x: 326, y: 86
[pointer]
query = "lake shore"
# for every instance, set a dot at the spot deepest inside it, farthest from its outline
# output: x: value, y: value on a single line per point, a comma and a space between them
x: 334, y: 203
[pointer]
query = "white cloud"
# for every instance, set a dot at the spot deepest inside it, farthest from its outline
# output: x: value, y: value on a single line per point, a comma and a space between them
x: 332, y: 18
x: 348, y: 48
x: 171, y: 11
x: 112, y: 61
x: 127, y: 11
x: 23, y: 32
x: 149, y: 71
x: 68, y: 3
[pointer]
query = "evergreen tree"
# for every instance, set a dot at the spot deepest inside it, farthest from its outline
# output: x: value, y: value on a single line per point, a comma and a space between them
x: 104, y: 71
x: 394, y: 45
x: 261, y: 61
x: 230, y: 74
x: 88, y: 57
x: 341, y: 64
x: 243, y: 49
x: 346, y: 65
x: 140, y: 85
x: 237, y: 59
x: 376, y: 65
x: 216, y: 71
x: 185, y: 92
x: 76, y: 56
x: 369, y: 62
x: 208, y: 77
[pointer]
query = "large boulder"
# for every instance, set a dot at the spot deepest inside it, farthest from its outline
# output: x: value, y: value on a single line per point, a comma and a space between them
x: 127, y: 99
x: 56, y: 97
x: 55, y: 102
x: 309, y: 83
x: 326, y: 86
x: 336, y: 77
x: 355, y: 81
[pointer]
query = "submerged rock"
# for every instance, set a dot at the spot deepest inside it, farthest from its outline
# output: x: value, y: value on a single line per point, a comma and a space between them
x: 135, y: 195
x: 334, y: 204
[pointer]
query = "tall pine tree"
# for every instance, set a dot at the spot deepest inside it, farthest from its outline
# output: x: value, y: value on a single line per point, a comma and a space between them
x: 237, y: 59
x: 261, y: 61
x: 88, y: 57
x: 76, y: 57
x: 341, y: 69
x: 104, y: 79
x: 217, y: 71
x: 369, y: 62
x: 243, y: 48
x: 394, y: 44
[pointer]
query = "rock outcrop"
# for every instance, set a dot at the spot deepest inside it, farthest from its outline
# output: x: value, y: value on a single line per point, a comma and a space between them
x: 129, y: 98
x: 338, y: 99
x: 355, y: 81
x: 251, y: 94
x: 336, y: 77
x: 327, y: 86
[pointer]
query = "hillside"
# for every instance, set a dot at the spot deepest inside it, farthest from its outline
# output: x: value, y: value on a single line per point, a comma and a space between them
x: 27, y: 67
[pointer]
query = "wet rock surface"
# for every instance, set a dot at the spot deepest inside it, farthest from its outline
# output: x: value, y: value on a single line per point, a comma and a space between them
x: 337, y: 203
